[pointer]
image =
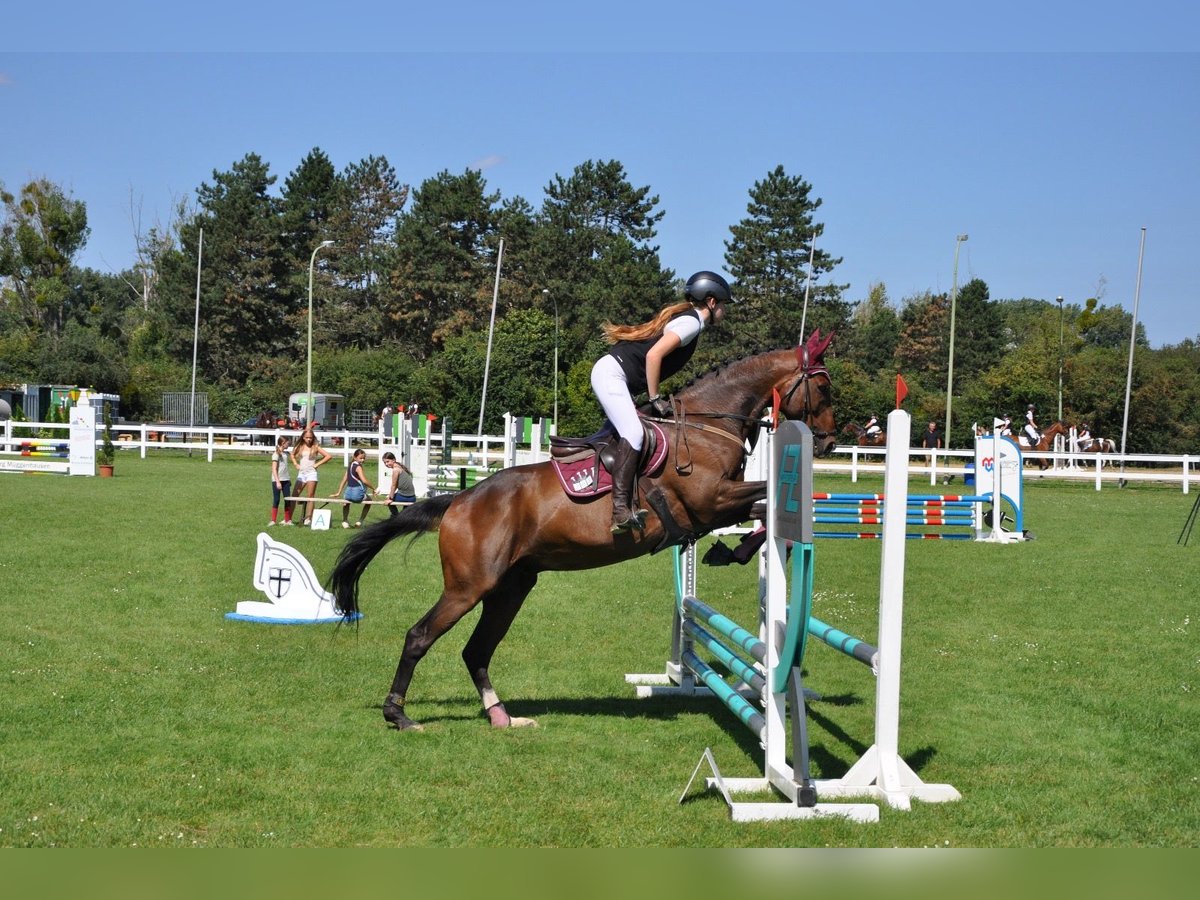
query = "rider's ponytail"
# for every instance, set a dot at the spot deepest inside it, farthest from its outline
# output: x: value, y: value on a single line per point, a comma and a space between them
x: 653, y: 328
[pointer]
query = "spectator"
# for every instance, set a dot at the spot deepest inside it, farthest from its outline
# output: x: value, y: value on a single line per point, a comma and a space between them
x: 401, y: 489
x: 281, y: 482
x: 355, y: 483
x: 308, y: 456
x: 931, y: 438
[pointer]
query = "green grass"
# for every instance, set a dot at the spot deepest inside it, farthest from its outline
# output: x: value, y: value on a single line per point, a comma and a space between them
x: 1053, y: 683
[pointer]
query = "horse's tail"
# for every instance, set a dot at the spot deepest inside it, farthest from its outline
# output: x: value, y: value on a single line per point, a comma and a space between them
x: 364, y: 546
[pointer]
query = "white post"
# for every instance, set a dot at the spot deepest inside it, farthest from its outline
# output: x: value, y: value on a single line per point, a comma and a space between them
x: 880, y: 771
x: 487, y: 361
x: 1137, y: 294
x: 195, y: 336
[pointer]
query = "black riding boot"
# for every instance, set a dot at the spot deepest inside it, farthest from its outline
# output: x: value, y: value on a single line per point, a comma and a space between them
x: 624, y: 476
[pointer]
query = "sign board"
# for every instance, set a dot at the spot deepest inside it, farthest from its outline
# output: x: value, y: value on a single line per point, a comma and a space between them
x: 83, y: 439
x: 793, y: 449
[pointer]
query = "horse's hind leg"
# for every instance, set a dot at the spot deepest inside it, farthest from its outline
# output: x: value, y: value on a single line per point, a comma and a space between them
x: 500, y: 607
x: 440, y: 619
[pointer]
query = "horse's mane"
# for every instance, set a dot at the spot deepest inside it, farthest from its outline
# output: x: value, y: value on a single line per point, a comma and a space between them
x: 700, y: 382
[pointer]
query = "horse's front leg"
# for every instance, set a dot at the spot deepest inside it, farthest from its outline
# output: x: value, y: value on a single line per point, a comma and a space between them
x: 735, y: 499
x: 499, y: 609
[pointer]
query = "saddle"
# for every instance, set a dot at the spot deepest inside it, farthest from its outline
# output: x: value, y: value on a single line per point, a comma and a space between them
x: 584, y: 465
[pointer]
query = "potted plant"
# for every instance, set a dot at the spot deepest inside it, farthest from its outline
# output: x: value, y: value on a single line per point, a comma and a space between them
x: 107, y: 451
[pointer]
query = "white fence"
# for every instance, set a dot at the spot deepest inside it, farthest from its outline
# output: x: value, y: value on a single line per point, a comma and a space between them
x: 485, y: 453
x: 1098, y: 468
x: 481, y: 454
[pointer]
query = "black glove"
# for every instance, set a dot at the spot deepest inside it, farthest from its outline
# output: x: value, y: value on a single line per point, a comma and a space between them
x: 661, y: 407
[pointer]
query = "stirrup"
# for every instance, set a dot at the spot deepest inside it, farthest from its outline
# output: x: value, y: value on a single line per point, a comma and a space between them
x: 636, y: 520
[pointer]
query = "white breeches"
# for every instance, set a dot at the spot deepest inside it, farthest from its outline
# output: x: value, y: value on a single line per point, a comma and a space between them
x: 612, y: 390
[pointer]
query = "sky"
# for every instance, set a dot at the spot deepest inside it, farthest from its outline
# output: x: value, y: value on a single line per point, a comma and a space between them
x: 1050, y: 133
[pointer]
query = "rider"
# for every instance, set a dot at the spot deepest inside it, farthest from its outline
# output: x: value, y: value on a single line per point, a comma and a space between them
x: 872, y: 427
x: 1006, y: 428
x: 1031, y: 429
x: 643, y: 356
x: 1083, y: 437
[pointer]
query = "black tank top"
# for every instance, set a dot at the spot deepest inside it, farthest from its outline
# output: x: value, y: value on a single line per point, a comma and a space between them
x: 632, y: 357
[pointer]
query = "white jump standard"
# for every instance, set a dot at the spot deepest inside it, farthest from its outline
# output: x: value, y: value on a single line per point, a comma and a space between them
x: 769, y: 667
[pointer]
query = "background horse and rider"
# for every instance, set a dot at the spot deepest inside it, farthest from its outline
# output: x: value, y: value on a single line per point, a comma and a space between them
x: 1045, y: 443
x: 498, y: 536
x: 878, y: 439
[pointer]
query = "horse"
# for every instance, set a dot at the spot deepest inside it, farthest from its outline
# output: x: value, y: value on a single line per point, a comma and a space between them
x: 497, y: 536
x: 265, y: 419
x: 1045, y: 445
x: 879, y: 439
x: 1098, y: 445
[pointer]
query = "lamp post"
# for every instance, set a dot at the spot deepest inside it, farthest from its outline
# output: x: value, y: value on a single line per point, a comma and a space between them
x: 311, y: 262
x: 958, y: 240
x: 546, y: 293
x: 1060, y: 355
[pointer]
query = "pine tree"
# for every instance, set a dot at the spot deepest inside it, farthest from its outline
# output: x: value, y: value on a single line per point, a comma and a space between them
x: 768, y: 257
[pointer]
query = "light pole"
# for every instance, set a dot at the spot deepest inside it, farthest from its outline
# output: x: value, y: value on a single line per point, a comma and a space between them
x: 308, y: 413
x: 1060, y: 355
x: 546, y: 293
x: 950, y: 368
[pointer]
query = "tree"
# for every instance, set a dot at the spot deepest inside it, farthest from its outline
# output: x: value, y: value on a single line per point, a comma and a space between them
x: 1108, y: 326
x: 243, y: 313
x: 922, y: 350
x: 874, y: 333
x: 440, y: 262
x: 595, y: 253
x: 977, y: 342
x: 768, y: 256
x: 42, y: 231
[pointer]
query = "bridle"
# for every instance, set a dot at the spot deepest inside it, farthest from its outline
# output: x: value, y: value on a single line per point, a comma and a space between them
x: 752, y: 425
x: 807, y: 372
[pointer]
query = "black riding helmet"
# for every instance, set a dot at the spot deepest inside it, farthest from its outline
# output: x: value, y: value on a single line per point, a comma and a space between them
x: 703, y: 285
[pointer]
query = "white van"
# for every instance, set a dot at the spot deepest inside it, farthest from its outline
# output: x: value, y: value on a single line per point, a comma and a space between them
x: 329, y: 409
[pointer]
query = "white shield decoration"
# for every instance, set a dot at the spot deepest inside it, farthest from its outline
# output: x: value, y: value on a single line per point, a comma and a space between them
x: 293, y: 591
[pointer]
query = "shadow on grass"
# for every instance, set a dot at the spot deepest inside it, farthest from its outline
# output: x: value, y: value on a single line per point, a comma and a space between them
x: 665, y: 709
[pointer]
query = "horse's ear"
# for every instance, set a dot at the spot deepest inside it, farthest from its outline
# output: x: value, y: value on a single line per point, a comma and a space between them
x: 804, y: 349
x: 821, y: 345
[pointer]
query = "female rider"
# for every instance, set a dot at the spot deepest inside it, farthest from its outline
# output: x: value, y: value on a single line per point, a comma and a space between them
x: 641, y: 358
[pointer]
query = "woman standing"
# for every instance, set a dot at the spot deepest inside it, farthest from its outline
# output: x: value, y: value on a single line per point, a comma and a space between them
x: 281, y: 482
x: 641, y: 358
x: 308, y: 456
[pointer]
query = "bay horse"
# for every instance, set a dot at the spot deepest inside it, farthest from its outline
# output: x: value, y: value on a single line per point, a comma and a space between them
x: 1045, y: 445
x: 497, y: 536
x: 866, y: 440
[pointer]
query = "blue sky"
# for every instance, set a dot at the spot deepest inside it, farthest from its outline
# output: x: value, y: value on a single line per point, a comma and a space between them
x: 1051, y: 139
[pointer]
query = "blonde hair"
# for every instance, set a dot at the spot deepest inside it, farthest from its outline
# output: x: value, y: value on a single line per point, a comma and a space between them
x: 647, y: 330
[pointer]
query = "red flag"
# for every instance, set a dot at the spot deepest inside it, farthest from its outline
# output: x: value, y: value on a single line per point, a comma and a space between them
x: 901, y: 390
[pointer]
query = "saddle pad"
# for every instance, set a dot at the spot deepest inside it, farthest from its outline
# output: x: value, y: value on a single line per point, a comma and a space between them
x: 581, y: 476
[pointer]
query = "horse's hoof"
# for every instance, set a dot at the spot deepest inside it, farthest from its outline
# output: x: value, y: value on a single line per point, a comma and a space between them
x: 500, y: 718
x: 404, y: 723
x: 397, y: 719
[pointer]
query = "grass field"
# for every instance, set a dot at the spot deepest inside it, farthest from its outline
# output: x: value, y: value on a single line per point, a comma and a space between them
x: 1053, y: 683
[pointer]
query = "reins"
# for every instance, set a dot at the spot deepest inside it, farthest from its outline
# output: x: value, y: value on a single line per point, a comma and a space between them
x: 751, y: 425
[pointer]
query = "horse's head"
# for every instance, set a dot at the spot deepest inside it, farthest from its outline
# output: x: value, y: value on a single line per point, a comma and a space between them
x: 806, y: 395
